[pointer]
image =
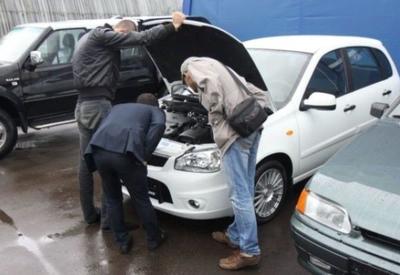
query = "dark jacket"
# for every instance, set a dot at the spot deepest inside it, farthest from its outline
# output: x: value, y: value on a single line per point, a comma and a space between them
x: 96, y: 59
x: 129, y: 128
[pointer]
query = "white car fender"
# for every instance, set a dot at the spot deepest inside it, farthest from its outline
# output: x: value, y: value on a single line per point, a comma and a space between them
x: 280, y: 136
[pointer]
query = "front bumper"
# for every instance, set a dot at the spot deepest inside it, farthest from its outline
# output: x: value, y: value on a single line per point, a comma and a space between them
x: 321, y: 254
x: 178, y: 189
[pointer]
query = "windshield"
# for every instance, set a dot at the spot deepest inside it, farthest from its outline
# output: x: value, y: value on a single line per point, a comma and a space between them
x: 17, y: 41
x: 281, y: 71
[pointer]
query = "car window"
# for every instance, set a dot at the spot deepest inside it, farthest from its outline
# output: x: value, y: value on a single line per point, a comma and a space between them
x: 329, y: 76
x: 385, y: 67
x: 363, y: 66
x: 281, y: 72
x: 136, y: 65
x: 59, y: 46
x: 132, y: 57
x: 14, y: 44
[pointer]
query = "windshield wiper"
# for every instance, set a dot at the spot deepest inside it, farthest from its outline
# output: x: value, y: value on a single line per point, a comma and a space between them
x: 396, y: 116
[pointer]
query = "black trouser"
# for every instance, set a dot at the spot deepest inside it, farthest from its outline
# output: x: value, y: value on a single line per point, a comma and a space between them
x: 89, y: 115
x: 113, y: 167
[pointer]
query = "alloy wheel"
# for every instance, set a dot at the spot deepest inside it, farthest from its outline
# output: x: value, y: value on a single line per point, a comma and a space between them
x: 3, y: 134
x: 269, y: 191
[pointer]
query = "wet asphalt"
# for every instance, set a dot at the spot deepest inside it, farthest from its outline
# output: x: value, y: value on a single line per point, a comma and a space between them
x: 42, y: 232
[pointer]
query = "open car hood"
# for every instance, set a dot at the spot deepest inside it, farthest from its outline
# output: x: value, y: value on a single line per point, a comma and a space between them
x: 202, y: 40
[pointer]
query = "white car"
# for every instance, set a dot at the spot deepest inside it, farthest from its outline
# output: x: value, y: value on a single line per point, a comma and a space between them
x: 322, y: 88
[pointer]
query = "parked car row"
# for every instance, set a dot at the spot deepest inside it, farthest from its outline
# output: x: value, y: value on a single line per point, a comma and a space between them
x: 322, y: 89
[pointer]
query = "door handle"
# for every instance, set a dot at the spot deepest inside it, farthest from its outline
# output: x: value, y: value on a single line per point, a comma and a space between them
x: 349, y: 108
x: 388, y: 92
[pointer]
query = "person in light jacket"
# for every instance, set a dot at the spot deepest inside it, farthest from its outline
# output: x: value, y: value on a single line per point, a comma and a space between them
x: 120, y: 149
x: 219, y: 93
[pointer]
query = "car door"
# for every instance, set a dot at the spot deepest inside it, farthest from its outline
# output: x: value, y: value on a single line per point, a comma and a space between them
x: 323, y: 132
x: 370, y: 81
x: 48, y: 89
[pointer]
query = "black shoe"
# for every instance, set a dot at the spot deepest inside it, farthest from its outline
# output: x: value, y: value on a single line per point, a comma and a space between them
x: 127, y: 247
x: 155, y: 245
x: 96, y: 218
x: 105, y: 227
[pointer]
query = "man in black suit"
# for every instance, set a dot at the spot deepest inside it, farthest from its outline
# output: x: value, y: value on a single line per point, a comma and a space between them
x: 120, y: 149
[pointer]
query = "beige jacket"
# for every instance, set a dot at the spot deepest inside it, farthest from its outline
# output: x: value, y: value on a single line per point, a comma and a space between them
x: 219, y: 94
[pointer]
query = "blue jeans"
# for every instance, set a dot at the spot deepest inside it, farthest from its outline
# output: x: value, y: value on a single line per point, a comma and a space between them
x: 239, y: 163
x: 89, y: 114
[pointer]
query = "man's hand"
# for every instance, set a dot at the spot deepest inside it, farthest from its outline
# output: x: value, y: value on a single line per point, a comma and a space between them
x: 177, y: 19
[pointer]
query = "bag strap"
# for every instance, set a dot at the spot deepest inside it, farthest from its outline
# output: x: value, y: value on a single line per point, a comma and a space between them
x: 240, y: 83
x: 237, y: 80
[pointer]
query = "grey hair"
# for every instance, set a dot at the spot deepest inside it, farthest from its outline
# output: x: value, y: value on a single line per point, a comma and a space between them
x: 185, y: 64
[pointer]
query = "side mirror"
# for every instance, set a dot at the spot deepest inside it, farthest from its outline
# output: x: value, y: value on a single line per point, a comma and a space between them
x: 378, y: 109
x: 319, y: 101
x: 36, y: 58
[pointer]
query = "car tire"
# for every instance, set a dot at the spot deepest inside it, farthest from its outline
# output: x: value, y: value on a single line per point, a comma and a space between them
x: 271, y: 185
x: 8, y: 134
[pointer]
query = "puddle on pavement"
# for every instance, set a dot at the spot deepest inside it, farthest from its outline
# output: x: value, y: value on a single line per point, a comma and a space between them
x: 25, y: 145
x: 32, y: 141
x: 65, y: 172
x: 7, y: 219
x: 28, y: 243
x: 73, y: 231
x: 32, y: 247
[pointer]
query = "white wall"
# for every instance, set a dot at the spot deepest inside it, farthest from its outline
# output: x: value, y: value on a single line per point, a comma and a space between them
x: 14, y: 12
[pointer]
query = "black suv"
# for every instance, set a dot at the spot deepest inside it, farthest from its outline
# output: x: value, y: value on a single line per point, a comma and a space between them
x: 36, y: 83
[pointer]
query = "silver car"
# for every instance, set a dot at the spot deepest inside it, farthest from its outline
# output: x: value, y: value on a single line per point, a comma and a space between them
x: 347, y: 219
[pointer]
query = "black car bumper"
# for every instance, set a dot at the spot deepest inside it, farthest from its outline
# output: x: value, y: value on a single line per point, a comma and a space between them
x: 320, y: 254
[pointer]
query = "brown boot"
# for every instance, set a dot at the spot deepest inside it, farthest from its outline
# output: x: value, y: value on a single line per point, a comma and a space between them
x: 222, y: 237
x: 238, y: 261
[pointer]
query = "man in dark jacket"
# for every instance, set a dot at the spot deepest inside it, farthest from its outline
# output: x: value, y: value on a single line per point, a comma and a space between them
x: 95, y: 65
x: 120, y: 149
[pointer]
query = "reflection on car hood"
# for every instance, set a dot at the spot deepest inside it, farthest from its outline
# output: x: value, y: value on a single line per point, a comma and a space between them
x: 364, y: 178
x: 202, y: 40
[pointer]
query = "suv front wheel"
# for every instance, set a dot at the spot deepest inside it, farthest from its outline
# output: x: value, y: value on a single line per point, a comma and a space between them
x: 8, y: 133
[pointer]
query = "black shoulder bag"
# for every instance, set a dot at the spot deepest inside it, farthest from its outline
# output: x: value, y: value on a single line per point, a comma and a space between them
x: 248, y: 115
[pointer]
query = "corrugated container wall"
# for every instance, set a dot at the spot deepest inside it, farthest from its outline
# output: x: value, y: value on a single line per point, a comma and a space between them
x: 256, y: 18
x: 14, y: 12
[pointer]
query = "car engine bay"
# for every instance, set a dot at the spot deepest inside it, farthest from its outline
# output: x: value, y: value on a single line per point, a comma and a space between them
x: 186, y: 118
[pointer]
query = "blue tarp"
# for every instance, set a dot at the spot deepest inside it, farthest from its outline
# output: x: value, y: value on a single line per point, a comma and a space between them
x: 249, y: 19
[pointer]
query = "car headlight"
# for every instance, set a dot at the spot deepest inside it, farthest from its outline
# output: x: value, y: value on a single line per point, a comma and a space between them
x: 324, y: 211
x: 205, y: 161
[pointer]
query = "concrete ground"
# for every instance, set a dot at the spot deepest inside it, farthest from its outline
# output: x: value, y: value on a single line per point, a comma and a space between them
x: 41, y: 228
